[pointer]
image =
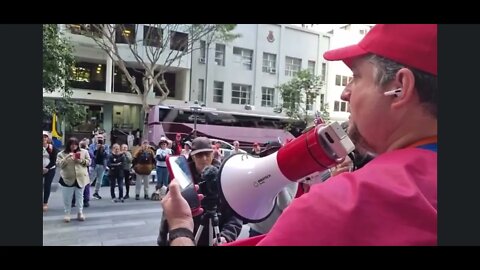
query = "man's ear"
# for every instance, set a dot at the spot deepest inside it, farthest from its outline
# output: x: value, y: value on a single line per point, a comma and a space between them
x: 404, y: 91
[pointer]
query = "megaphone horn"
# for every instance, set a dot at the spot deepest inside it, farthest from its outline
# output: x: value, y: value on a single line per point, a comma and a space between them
x: 249, y: 185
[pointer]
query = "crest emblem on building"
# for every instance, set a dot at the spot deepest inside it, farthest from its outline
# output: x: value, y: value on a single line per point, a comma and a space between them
x: 270, y: 37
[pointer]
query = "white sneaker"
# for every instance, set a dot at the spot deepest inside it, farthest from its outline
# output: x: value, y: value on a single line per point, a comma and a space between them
x: 163, y: 191
x: 66, y: 218
x: 81, y: 217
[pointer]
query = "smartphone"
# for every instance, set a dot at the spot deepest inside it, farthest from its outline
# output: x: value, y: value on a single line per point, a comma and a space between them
x: 178, y: 168
x: 77, y: 155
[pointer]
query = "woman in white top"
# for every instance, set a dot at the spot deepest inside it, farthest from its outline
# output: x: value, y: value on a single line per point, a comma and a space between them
x: 161, y: 157
x: 186, y: 149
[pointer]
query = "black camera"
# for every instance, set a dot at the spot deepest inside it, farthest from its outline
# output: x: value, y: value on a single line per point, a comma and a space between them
x: 100, y: 141
x: 209, y: 188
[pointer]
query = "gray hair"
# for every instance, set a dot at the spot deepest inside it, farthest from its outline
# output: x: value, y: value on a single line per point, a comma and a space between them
x: 425, y: 83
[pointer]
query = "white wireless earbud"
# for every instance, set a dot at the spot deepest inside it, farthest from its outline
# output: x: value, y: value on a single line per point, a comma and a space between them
x: 395, y: 92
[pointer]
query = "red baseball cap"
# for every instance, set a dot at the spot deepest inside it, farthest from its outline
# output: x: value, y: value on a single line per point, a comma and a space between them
x: 413, y: 45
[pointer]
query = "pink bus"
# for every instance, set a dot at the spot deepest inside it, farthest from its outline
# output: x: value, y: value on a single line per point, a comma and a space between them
x: 246, y: 128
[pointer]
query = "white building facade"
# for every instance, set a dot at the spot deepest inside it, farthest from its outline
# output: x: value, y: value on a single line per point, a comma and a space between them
x: 241, y: 75
x: 339, y: 74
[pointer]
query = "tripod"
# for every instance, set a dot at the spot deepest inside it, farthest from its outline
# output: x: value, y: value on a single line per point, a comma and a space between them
x: 210, y: 220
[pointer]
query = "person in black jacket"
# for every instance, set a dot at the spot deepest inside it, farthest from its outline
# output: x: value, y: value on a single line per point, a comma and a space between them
x: 49, y: 160
x: 115, y: 164
x: 230, y: 226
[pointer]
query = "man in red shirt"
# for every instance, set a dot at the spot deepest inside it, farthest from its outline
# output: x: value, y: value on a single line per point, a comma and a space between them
x: 392, y: 200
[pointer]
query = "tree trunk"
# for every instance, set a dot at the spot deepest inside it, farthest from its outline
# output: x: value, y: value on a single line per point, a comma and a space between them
x: 145, y: 125
x: 147, y: 89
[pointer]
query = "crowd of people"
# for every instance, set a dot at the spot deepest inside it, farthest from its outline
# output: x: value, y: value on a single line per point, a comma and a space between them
x: 89, y: 164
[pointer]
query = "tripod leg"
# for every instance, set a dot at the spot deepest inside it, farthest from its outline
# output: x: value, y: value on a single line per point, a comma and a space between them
x: 215, y: 227
x: 199, y: 233
x: 210, y: 232
x: 217, y: 235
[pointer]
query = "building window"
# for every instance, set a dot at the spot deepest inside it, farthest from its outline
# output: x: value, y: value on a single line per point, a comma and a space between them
x: 324, y: 72
x: 342, y: 80
x: 125, y: 33
x: 218, y: 92
x: 309, y: 104
x: 340, y: 106
x: 292, y: 66
x: 201, y: 86
x: 241, y: 94
x: 269, y: 63
x: 322, y: 102
x: 311, y: 66
x: 178, y: 41
x: 152, y: 36
x: 203, y: 50
x: 220, y: 54
x: 88, y: 76
x: 244, y: 57
x: 267, y: 96
x: 84, y: 29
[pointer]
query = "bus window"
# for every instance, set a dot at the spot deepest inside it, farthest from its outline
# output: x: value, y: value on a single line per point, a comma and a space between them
x: 162, y: 113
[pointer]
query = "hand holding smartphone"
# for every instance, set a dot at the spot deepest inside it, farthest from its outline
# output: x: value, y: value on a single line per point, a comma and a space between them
x: 178, y: 168
x: 77, y: 155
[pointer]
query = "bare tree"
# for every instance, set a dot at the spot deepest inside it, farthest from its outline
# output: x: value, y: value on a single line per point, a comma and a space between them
x: 161, y: 48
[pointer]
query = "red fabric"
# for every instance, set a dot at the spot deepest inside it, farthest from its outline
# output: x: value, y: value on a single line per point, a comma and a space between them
x: 179, y: 148
x: 300, y: 191
x: 414, y: 45
x: 252, y: 241
x: 390, y: 201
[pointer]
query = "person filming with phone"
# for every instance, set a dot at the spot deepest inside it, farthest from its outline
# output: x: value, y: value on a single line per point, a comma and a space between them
x: 201, y: 157
x: 73, y: 162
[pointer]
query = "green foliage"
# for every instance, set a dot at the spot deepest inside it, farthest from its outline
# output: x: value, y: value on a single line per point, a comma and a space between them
x: 58, y: 60
x: 300, y: 93
x: 73, y: 114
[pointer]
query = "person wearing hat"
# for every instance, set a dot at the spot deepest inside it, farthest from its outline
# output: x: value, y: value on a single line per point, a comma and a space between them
x: 161, y: 156
x: 49, y: 168
x: 187, y: 148
x: 392, y: 200
x: 230, y: 226
x: 143, y: 163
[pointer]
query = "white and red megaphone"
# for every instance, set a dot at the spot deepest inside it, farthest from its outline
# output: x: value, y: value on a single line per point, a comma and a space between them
x: 249, y: 184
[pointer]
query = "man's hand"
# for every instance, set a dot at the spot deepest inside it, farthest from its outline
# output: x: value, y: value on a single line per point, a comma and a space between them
x: 345, y: 166
x: 222, y: 241
x: 45, y: 170
x: 176, y: 209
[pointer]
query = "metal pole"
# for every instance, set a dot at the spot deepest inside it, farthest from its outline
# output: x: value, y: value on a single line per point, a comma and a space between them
x: 195, y: 123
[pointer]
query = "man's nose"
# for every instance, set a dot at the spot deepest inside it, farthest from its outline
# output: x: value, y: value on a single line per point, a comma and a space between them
x: 345, y: 96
